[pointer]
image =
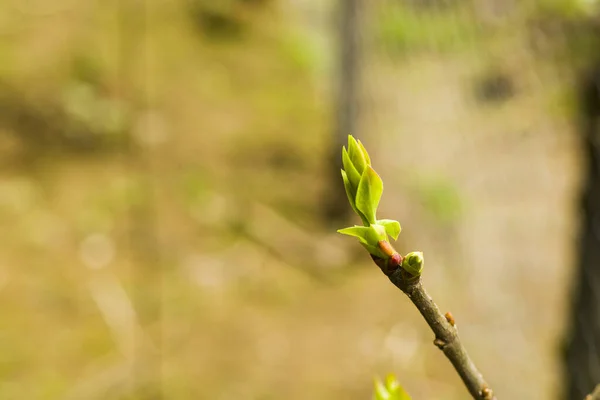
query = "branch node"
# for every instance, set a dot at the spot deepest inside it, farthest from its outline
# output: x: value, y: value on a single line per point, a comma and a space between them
x: 440, y: 343
x: 487, y: 393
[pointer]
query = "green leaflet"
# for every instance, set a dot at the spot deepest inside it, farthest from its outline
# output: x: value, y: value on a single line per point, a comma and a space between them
x: 368, y: 236
x: 392, y: 227
x: 351, y: 171
x: 369, y: 193
x: 348, y: 188
x: 360, y: 232
x: 381, y: 392
x: 364, y: 151
x: 357, y: 157
x: 372, y: 234
x: 349, y: 191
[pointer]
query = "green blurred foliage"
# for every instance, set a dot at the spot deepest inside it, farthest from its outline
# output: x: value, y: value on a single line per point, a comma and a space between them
x: 225, y: 19
x: 567, y: 8
x: 404, y: 29
x: 440, y: 198
x: 390, y: 389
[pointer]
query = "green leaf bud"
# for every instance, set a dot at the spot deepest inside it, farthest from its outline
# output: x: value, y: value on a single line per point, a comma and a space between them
x: 413, y: 263
x: 356, y: 154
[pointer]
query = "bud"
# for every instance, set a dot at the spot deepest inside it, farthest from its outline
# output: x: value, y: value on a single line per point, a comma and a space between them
x: 364, y: 189
x: 363, y: 186
x: 413, y: 263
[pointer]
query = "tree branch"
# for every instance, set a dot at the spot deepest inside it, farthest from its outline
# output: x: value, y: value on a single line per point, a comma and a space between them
x: 446, y: 335
x: 364, y: 188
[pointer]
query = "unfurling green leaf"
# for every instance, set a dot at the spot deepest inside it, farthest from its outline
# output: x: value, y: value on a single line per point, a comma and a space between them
x: 351, y: 171
x: 372, y: 234
x: 360, y: 232
x: 413, y: 263
x: 392, y: 227
x: 369, y: 237
x: 391, y: 383
x: 357, y: 157
x: 381, y: 392
x: 369, y: 193
x: 364, y: 151
x: 349, y: 193
x: 390, y: 390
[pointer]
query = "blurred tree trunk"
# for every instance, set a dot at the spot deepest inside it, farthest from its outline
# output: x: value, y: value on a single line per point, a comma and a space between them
x: 347, y: 102
x: 582, y: 355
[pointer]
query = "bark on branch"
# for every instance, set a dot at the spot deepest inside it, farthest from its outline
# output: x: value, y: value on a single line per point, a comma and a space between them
x: 446, y: 335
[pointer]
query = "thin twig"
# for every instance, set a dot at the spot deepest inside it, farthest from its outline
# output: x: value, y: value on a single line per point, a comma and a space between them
x: 446, y: 335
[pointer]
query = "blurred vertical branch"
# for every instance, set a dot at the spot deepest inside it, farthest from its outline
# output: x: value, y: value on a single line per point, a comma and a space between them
x: 347, y: 101
x: 583, y: 347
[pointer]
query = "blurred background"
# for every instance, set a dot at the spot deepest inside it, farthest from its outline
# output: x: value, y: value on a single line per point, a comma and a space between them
x: 170, y: 191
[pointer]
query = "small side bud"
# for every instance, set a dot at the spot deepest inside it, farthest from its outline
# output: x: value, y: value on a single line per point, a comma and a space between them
x: 413, y: 263
x: 439, y: 343
x: 450, y: 318
x: 486, y: 393
x: 395, y: 260
x: 392, y: 260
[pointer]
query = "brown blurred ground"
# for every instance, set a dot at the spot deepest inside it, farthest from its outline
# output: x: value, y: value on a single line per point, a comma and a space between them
x: 164, y: 168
